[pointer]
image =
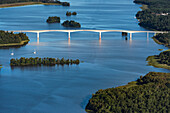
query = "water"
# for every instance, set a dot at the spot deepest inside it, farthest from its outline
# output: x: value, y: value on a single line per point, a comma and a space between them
x: 107, y: 63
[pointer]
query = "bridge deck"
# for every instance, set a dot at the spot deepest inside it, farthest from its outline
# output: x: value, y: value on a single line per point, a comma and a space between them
x: 128, y: 31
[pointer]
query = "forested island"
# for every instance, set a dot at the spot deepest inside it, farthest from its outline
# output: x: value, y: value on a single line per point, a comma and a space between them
x: 53, y: 19
x: 69, y: 13
x: 149, y: 94
x: 71, y: 23
x: 0, y: 66
x: 10, y: 39
x: 156, y: 17
x: 161, y: 61
x: 42, y: 61
x: 13, y: 3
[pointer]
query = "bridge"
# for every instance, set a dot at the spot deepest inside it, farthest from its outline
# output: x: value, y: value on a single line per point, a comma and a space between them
x: 98, y: 31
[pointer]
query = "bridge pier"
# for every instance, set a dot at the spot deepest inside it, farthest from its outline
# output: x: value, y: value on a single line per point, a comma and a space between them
x: 100, y: 35
x: 147, y: 35
x: 130, y: 36
x: 38, y: 37
x: 69, y: 35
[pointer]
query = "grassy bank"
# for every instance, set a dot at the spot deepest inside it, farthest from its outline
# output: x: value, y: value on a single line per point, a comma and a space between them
x: 25, y: 3
x: 156, y: 60
x: 15, y: 44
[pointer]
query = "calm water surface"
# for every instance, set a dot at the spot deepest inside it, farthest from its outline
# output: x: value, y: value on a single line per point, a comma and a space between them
x: 107, y: 63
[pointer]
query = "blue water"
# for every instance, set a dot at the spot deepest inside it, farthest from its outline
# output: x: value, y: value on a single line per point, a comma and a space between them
x: 110, y: 62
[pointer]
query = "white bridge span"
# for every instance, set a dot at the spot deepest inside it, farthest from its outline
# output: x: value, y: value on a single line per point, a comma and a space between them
x: 99, y: 31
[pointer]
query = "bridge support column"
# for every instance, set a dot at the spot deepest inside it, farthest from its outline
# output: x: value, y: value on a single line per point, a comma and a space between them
x: 100, y: 35
x: 130, y: 36
x: 147, y: 35
x: 69, y: 35
x: 38, y: 36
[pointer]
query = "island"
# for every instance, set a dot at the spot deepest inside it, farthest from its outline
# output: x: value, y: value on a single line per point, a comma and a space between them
x: 161, y: 61
x: 8, y: 39
x: 42, y: 61
x: 0, y: 66
x: 53, y: 19
x: 69, y: 13
x: 71, y: 23
x: 14, y: 3
x: 149, y: 94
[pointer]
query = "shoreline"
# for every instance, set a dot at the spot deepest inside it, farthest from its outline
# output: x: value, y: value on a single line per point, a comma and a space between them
x: 154, y: 61
x: 15, y: 44
x: 26, y: 3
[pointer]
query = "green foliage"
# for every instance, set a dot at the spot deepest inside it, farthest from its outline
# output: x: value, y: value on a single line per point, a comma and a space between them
x: 74, y: 13
x: 7, y: 38
x: 150, y: 95
x: 156, y: 16
x: 71, y: 24
x: 41, y: 61
x: 163, y: 39
x: 68, y: 13
x: 164, y: 57
x: 54, y: 19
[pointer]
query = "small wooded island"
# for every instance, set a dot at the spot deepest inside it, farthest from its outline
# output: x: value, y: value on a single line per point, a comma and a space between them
x: 71, y: 23
x: 8, y: 39
x: 69, y: 13
x: 53, y: 19
x: 42, y: 61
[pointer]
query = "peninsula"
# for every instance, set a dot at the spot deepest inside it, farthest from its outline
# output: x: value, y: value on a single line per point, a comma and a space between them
x: 15, y: 3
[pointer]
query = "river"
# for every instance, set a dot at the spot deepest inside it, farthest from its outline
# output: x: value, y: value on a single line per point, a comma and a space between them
x: 111, y: 62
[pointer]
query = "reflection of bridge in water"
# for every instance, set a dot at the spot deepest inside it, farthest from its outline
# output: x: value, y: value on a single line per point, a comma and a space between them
x: 98, y: 31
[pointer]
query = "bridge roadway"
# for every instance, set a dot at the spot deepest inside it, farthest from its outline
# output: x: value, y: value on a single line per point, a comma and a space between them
x: 99, y: 31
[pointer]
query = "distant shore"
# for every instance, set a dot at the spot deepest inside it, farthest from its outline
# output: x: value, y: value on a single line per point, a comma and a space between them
x: 25, y: 3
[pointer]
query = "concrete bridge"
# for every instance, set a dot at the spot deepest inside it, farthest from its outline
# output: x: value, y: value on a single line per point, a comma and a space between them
x: 98, y: 31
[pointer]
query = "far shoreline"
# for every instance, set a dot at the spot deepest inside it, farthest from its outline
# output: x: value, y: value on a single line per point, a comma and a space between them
x: 25, y: 4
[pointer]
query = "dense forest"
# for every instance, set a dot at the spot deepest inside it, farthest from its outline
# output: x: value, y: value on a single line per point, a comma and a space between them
x: 10, y: 37
x: 42, y: 61
x: 149, y: 94
x: 156, y: 16
x: 43, y: 1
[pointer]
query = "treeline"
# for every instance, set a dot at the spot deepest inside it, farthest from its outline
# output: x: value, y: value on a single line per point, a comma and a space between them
x: 42, y: 61
x: 163, y: 58
x: 156, y: 16
x: 10, y: 37
x: 43, y: 1
x: 149, y: 94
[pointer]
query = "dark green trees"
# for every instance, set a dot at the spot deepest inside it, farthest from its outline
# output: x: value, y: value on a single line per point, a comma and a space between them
x: 71, y: 24
x: 7, y: 38
x: 41, y: 61
x: 149, y: 94
x: 53, y: 19
x: 156, y: 16
x: 69, y: 13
